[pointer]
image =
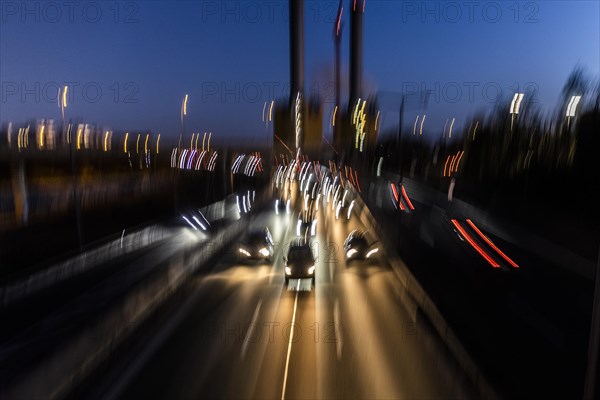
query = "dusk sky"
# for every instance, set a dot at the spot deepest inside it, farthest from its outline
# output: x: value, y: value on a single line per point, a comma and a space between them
x: 129, y: 64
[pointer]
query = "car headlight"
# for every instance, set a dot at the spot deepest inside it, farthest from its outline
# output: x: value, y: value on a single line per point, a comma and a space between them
x: 350, y: 253
x: 288, y: 271
x: 311, y: 270
x: 244, y: 251
x: 370, y: 253
x: 264, y: 252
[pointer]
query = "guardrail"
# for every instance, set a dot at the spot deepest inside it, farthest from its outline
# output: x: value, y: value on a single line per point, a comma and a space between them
x: 13, y: 292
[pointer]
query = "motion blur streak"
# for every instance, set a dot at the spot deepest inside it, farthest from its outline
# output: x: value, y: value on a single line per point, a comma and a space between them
x: 492, y: 245
x: 475, y: 245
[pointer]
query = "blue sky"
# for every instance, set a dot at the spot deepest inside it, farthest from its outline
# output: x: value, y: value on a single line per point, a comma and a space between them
x: 131, y: 63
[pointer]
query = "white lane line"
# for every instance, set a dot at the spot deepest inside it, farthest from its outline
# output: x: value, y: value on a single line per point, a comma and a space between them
x: 337, y: 327
x: 251, y: 329
x: 289, y: 351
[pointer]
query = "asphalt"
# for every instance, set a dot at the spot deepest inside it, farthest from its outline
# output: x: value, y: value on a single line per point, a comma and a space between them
x: 241, y: 333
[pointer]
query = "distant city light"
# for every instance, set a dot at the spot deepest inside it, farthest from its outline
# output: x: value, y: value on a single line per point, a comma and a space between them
x: 572, y: 106
x: 515, y: 105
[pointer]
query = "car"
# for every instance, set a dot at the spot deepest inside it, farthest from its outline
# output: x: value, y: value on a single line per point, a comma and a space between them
x: 299, y: 262
x: 258, y: 245
x: 357, y: 247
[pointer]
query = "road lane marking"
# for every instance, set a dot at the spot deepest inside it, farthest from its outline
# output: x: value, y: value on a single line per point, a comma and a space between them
x: 337, y: 327
x: 250, y: 330
x: 289, y: 350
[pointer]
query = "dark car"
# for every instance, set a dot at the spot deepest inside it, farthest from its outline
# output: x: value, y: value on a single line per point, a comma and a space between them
x: 299, y: 262
x: 258, y: 245
x: 357, y: 247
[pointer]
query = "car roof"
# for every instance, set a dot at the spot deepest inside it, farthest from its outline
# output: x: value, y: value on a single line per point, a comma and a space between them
x: 299, y: 242
x: 356, y: 235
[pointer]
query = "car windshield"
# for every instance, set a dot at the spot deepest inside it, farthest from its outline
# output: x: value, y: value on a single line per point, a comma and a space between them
x: 358, y: 241
x: 299, y: 253
x: 256, y: 237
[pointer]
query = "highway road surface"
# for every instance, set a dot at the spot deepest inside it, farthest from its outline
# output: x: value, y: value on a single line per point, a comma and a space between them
x: 241, y: 333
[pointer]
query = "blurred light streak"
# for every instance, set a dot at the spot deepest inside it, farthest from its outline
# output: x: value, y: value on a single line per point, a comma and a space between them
x: 188, y: 221
x: 492, y: 245
x: 410, y: 205
x: 146, y: 143
x: 64, y: 97
x: 446, y: 164
x: 394, y: 191
x: 444, y: 131
x: 458, y: 161
x: 515, y: 104
x: 450, y: 130
x: 371, y: 252
x: 339, y: 21
x: 185, y: 105
x: 106, y: 142
x: 199, y: 223
x: 333, y: 116
x: 475, y: 245
x: 421, y: 128
x: 125, y: 142
x: 137, y: 144
x: 415, y: 125
x: 157, y: 143
x: 572, y: 106
x: 357, y: 185
x: 452, y: 164
x: 79, y: 129
x: 41, y: 137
